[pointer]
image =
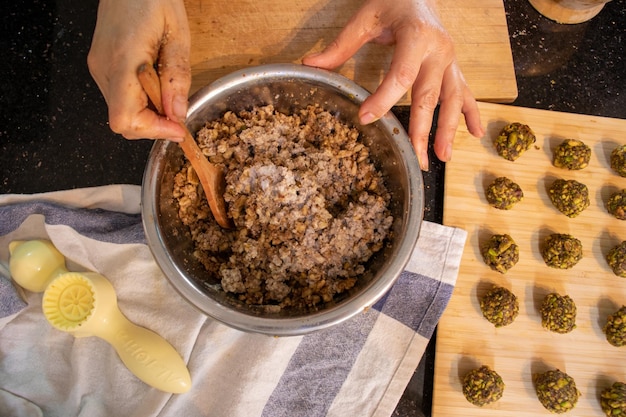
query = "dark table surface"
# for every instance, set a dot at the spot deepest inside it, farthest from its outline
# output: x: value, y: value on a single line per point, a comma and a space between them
x: 54, y: 133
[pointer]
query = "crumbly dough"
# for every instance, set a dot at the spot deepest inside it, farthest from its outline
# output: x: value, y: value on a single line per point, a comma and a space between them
x: 308, y: 204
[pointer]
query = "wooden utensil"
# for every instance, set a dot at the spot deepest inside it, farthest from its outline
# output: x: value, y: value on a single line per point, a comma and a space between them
x: 211, y: 176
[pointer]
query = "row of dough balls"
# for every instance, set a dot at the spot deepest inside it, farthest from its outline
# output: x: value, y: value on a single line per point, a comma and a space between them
x: 559, y: 250
x: 558, y: 314
x: 570, y: 197
x: 556, y: 391
x: 572, y: 154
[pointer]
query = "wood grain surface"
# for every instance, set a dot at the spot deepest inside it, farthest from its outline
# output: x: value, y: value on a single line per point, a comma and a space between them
x: 465, y: 339
x: 229, y: 35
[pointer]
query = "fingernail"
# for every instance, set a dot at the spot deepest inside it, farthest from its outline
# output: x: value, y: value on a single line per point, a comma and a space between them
x: 423, y: 160
x: 179, y: 105
x: 368, y: 118
x: 447, y: 152
x: 177, y: 140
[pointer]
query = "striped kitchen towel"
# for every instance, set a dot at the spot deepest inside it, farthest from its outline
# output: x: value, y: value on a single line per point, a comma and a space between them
x: 357, y: 368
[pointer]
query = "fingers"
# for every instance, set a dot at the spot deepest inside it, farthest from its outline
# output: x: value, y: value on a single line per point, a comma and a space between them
x: 403, y: 72
x: 174, y: 68
x: 333, y: 56
x: 129, y: 114
x: 354, y: 35
x: 425, y: 95
x: 452, y: 100
x: 119, y: 48
x: 456, y: 98
x: 423, y: 63
x: 472, y: 116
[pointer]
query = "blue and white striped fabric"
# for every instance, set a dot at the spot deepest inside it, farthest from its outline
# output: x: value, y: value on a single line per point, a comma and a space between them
x: 358, y: 368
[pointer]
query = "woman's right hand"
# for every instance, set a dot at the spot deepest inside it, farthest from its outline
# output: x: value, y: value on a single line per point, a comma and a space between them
x: 423, y: 63
x: 129, y: 33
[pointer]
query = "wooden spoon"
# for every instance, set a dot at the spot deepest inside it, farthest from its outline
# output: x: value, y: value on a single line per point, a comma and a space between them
x: 211, y: 176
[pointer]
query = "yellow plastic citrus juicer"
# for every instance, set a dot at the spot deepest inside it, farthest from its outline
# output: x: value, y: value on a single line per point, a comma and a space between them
x: 85, y: 304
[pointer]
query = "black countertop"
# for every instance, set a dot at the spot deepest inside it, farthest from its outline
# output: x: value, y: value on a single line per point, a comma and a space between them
x: 53, y: 120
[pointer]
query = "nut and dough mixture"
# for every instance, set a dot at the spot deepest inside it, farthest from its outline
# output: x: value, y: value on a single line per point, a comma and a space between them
x: 482, y: 386
x: 514, y: 139
x: 499, y: 306
x: 558, y: 313
x: 503, y: 193
x: 308, y: 204
x: 556, y: 391
x: 561, y: 251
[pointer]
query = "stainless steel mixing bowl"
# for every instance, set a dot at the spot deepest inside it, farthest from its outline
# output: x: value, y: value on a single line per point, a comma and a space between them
x: 287, y: 87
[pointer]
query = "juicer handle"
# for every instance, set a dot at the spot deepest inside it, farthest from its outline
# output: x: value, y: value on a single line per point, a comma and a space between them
x: 147, y: 355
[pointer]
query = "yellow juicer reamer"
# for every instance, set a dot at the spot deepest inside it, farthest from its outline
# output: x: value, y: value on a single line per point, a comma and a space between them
x: 85, y: 304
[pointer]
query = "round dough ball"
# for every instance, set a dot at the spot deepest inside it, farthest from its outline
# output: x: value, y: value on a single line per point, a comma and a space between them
x: 561, y: 251
x: 503, y: 193
x: 616, y: 205
x: 618, y: 160
x: 500, y: 253
x: 615, y: 328
x: 570, y: 197
x: 556, y: 391
x: 499, y: 306
x: 616, y: 258
x: 613, y: 400
x: 572, y: 154
x: 558, y: 313
x: 482, y: 386
x: 513, y: 140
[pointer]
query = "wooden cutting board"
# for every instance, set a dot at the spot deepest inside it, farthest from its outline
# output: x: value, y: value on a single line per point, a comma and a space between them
x: 229, y: 35
x: 466, y: 340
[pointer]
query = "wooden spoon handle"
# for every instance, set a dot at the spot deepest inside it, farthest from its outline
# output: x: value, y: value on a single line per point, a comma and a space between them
x: 211, y: 177
x: 151, y: 84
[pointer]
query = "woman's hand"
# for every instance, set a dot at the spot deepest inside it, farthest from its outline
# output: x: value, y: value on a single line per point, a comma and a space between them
x: 423, y: 63
x: 129, y: 33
